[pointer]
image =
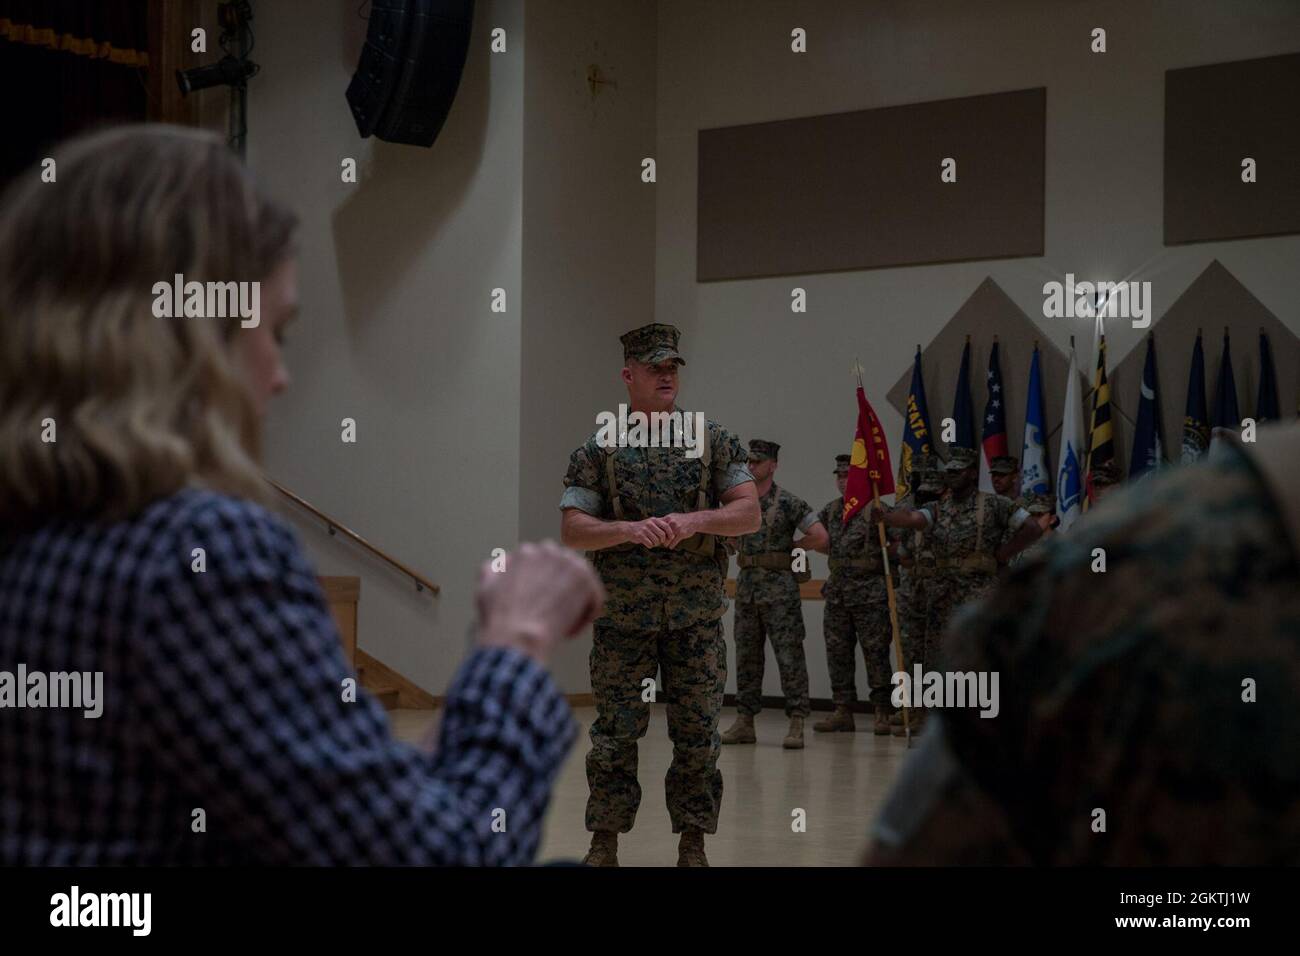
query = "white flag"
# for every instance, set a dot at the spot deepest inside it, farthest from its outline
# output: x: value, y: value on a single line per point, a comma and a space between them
x: 1069, y: 475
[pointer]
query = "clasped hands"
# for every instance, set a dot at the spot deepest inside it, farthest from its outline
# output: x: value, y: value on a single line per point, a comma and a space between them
x: 666, y: 532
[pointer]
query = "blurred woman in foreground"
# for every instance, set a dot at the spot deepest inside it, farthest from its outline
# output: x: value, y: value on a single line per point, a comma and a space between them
x: 128, y: 441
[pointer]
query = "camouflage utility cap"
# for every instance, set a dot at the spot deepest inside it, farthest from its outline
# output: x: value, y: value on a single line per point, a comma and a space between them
x: 960, y: 459
x: 1106, y: 473
x: 652, y: 344
x: 1041, y: 504
x: 930, y: 480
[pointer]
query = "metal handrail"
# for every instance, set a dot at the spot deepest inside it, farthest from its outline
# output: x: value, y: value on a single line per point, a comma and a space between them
x: 333, y: 525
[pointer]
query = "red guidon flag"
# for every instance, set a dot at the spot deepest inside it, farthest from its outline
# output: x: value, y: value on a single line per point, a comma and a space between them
x: 870, y: 461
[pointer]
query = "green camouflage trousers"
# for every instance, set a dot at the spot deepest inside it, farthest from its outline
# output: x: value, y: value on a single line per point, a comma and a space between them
x: 844, y: 627
x: 693, y: 662
x: 920, y: 623
x: 948, y: 591
x: 782, y: 623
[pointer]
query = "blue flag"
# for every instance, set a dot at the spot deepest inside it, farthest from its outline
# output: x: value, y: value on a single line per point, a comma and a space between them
x: 963, y: 410
x: 1069, y: 477
x: 1148, y: 445
x: 916, y: 429
x: 1196, y: 420
x: 1033, y: 453
x: 1266, y: 406
x: 1225, y: 393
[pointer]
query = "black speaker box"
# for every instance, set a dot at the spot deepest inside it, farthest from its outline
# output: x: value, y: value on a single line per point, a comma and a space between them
x: 410, y: 68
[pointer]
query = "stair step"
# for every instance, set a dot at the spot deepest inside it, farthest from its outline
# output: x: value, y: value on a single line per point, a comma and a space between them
x: 386, y: 695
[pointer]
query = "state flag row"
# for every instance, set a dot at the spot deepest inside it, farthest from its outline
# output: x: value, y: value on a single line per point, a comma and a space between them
x: 1083, y: 453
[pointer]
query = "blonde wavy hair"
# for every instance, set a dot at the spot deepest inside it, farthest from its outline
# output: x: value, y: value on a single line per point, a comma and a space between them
x: 142, y: 406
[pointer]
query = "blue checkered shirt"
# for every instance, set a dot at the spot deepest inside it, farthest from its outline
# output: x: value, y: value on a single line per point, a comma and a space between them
x: 223, y: 692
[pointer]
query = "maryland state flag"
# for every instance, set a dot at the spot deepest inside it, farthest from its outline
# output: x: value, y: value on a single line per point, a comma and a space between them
x: 1101, y: 443
x: 1101, y: 446
x: 870, y: 461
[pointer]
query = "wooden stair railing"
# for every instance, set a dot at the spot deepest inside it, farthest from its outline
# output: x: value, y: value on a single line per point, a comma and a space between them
x: 333, y: 525
x: 391, y: 688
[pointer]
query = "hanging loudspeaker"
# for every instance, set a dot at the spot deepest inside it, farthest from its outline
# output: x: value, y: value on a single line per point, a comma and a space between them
x: 410, y: 68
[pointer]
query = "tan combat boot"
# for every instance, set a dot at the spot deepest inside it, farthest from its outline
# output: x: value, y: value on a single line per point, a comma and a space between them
x: 690, y: 850
x: 741, y: 732
x: 882, y: 725
x: 794, y: 736
x: 840, y: 719
x: 604, y: 849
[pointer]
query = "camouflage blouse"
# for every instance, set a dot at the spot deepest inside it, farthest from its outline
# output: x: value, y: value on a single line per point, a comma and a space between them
x: 856, y: 540
x: 955, y: 530
x: 783, y: 514
x: 656, y: 588
x: 1161, y: 691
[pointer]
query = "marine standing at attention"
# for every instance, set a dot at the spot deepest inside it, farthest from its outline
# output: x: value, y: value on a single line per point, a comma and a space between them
x: 1004, y: 474
x: 856, y: 612
x: 971, y: 532
x: 768, y: 604
x: 653, y: 516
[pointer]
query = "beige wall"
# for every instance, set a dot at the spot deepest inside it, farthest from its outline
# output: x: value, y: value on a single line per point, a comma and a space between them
x: 466, y: 418
x: 396, y: 331
x: 533, y: 186
x: 769, y: 373
x: 588, y: 241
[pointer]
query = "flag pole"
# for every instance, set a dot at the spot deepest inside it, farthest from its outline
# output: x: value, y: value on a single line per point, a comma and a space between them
x: 889, y: 584
x: 889, y: 581
x: 893, y: 610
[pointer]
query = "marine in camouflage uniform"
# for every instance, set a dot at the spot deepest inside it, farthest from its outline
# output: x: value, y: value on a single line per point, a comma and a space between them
x: 662, y: 616
x: 856, y: 612
x: 970, y: 533
x: 1104, y: 478
x: 769, y: 608
x: 1004, y: 473
x: 921, y: 629
x: 1128, y: 691
x: 1041, y: 508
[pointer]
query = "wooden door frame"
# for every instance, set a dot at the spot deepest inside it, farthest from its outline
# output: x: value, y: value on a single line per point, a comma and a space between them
x: 170, y: 24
